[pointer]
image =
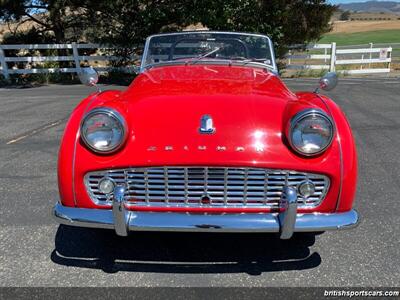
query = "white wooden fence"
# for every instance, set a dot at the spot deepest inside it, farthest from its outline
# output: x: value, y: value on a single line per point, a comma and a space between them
x: 365, y: 59
x: 75, y: 58
x: 359, y: 61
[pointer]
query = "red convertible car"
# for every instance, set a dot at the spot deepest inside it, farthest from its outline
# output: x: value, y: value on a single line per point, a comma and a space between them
x: 208, y: 138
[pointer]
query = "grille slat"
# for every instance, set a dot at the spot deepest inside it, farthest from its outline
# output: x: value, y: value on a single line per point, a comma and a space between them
x: 224, y: 186
x: 146, y: 188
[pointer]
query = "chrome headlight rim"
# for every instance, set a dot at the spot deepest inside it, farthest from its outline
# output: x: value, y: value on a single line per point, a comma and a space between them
x: 302, y: 115
x: 112, y: 113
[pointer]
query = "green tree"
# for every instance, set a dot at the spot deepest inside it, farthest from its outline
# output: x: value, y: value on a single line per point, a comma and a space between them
x: 345, y: 16
x: 128, y: 22
x: 287, y: 22
x: 48, y: 16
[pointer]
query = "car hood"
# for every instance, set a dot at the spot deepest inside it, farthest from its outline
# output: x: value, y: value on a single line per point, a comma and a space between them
x: 249, y: 108
x: 165, y: 107
x: 208, y: 80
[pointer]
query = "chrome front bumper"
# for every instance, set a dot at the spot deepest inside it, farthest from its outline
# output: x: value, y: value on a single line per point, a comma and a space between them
x: 123, y: 221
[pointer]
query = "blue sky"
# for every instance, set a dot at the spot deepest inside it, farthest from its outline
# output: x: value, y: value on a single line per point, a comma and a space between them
x: 352, y: 1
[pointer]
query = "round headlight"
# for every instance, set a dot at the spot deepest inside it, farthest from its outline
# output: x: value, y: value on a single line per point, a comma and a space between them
x: 311, y: 132
x: 103, y: 130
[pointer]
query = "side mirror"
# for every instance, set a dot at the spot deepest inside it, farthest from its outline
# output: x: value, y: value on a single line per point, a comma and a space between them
x: 88, y: 76
x: 329, y: 81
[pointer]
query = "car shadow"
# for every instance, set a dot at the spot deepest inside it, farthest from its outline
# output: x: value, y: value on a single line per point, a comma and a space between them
x: 182, y: 252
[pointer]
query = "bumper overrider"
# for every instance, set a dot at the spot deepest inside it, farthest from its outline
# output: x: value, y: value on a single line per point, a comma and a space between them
x: 286, y: 222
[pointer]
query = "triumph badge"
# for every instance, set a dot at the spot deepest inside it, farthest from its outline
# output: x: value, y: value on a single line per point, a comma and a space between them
x: 206, y: 125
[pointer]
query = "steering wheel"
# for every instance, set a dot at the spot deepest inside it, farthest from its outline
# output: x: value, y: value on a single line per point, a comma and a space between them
x: 237, y: 41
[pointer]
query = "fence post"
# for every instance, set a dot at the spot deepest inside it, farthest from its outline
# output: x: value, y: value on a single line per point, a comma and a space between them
x: 3, y: 64
x: 332, y: 67
x: 76, y: 57
x: 371, y: 45
x: 362, y: 61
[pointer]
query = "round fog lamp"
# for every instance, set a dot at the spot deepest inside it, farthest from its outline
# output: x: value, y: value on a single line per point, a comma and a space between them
x: 306, y: 189
x: 106, y: 186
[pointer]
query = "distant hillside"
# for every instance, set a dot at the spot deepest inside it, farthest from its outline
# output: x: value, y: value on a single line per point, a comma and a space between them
x: 373, y: 6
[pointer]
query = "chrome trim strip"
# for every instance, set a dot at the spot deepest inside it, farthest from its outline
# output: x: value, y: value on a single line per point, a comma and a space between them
x: 145, y: 52
x: 219, y: 62
x: 271, y: 47
x: 73, y: 165
x: 168, y: 221
x: 340, y: 151
x: 78, y: 133
x: 341, y: 173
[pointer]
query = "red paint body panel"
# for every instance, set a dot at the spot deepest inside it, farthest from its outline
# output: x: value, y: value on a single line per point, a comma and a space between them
x: 250, y: 108
x: 349, y: 157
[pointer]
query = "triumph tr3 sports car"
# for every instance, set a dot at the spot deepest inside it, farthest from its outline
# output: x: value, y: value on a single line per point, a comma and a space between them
x: 208, y: 138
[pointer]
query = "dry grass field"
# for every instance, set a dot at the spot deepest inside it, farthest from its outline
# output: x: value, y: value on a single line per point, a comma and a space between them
x: 363, y: 26
x: 371, y: 15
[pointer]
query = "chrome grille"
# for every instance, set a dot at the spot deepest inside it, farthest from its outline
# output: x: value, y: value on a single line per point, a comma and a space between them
x: 205, y: 186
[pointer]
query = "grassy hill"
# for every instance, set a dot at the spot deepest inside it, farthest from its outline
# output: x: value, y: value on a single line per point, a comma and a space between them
x: 372, y: 6
x: 356, y: 38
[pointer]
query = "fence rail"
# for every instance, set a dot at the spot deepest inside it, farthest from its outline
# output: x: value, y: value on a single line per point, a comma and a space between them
x: 333, y: 57
x: 75, y: 58
x: 300, y: 57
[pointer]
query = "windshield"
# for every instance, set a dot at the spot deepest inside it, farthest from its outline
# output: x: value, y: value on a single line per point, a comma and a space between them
x: 208, y: 47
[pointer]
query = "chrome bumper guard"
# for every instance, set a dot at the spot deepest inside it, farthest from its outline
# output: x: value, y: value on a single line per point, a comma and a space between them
x: 286, y: 222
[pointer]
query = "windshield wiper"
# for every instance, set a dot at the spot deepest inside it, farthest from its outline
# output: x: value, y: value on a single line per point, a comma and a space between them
x: 200, y: 57
x: 250, y: 61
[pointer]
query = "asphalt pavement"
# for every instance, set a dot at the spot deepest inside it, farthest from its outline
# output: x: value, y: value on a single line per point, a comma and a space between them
x: 36, y: 251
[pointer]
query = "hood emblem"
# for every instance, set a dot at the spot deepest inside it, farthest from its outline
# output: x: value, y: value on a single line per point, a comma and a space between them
x: 206, y: 125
